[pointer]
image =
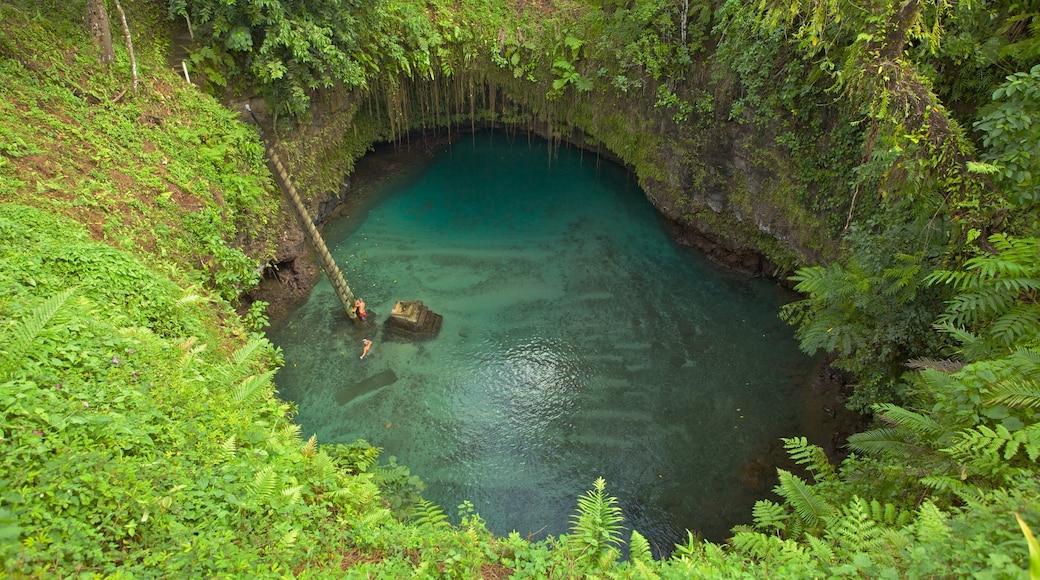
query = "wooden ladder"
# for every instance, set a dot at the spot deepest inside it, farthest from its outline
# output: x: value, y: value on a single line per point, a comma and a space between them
x: 328, y: 264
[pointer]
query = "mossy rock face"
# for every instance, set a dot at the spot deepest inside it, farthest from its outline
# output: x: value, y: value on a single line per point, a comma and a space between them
x: 732, y: 170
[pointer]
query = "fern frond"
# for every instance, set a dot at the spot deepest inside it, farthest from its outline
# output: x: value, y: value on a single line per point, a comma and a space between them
x: 995, y: 446
x: 639, y: 548
x: 1015, y: 393
x: 262, y: 488
x: 803, y: 500
x: 323, y: 465
x: 769, y: 516
x: 253, y: 388
x: 953, y: 485
x: 288, y: 540
x: 930, y: 525
x: 289, y: 435
x: 823, y: 551
x: 889, y: 514
x: 855, y: 530
x: 426, y: 512
x: 190, y: 351
x: 243, y: 355
x: 1019, y: 321
x: 812, y: 457
x: 310, y: 447
x: 596, y: 528
x: 24, y: 334
x: 886, y: 441
x: 228, y: 449
x: 918, y: 423
x: 756, y: 545
x: 769, y: 548
x: 293, y: 494
x: 959, y: 334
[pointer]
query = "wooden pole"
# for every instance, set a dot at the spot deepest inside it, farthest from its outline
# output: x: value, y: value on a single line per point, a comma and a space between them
x: 328, y: 263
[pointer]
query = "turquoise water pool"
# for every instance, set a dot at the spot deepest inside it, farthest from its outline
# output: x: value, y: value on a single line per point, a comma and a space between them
x: 578, y: 342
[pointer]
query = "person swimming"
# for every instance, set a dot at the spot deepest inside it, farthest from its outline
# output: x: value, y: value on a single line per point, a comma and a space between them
x: 368, y: 345
x: 359, y: 308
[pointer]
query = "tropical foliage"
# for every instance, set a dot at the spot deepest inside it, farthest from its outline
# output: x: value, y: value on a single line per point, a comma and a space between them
x: 140, y: 429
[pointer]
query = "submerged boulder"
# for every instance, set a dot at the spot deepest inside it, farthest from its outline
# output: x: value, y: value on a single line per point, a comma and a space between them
x: 412, y: 318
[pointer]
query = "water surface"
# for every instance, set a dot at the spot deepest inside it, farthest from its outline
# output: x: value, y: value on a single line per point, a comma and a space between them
x: 578, y: 342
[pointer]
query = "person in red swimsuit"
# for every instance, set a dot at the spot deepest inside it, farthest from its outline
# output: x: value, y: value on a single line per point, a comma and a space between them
x: 359, y: 308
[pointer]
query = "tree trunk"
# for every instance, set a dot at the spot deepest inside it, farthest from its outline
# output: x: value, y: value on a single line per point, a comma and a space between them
x: 100, y: 31
x: 129, y: 44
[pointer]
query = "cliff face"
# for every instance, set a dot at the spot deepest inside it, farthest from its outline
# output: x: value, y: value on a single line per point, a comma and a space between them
x: 724, y: 184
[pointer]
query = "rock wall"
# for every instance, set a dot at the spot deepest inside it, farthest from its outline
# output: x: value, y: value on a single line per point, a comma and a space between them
x: 723, y: 185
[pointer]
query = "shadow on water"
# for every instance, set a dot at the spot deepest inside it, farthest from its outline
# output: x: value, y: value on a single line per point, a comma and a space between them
x: 578, y: 341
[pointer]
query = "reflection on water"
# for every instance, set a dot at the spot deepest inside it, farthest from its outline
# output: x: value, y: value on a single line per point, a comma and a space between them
x: 578, y: 342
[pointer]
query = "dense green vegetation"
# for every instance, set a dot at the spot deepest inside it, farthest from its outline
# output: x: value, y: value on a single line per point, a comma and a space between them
x: 140, y: 432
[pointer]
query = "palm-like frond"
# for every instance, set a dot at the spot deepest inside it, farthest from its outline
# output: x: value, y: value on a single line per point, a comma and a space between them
x: 918, y: 423
x: 1016, y: 392
x: 889, y: 441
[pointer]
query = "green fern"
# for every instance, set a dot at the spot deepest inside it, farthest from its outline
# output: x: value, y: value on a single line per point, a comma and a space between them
x: 241, y: 359
x: 596, y: 528
x: 911, y: 433
x: 425, y: 512
x: 889, y: 514
x: 888, y: 441
x: 855, y: 530
x: 288, y: 540
x: 16, y: 341
x: 932, y: 524
x: 1021, y: 387
x: 808, y: 506
x: 918, y: 423
x: 639, y: 548
x: 822, y: 550
x: 812, y: 457
x: 756, y: 545
x: 769, y: 516
x: 228, y: 449
x: 997, y: 445
x: 243, y: 355
x: 773, y: 551
x: 262, y: 488
x: 951, y: 485
x: 322, y: 465
x: 997, y: 295
x: 293, y: 494
x: 252, y: 389
x: 287, y: 436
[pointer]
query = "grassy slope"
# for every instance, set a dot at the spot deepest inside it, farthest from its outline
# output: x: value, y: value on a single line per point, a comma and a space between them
x: 139, y: 433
